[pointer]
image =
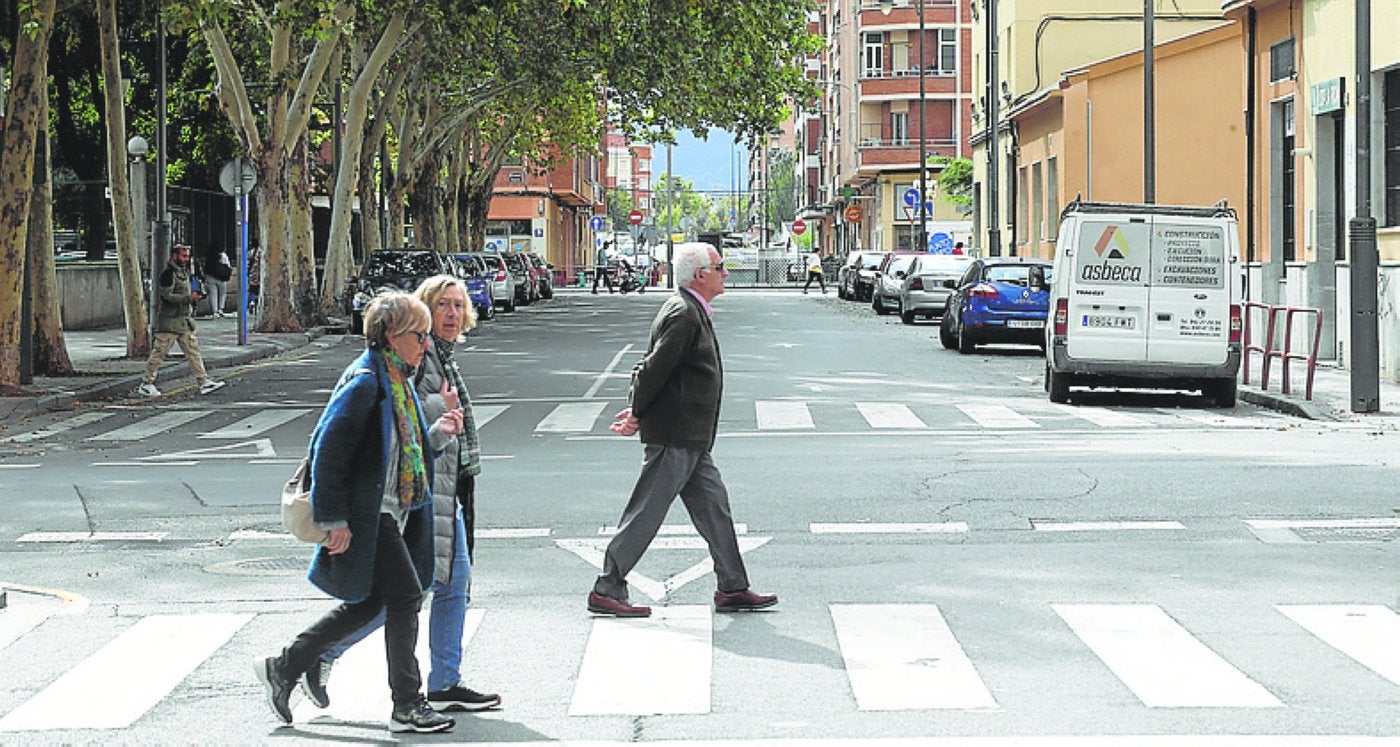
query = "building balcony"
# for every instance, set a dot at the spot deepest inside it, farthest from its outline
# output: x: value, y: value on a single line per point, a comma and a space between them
x: 895, y: 154
x: 905, y: 84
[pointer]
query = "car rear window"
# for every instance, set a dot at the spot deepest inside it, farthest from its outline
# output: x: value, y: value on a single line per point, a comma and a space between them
x: 403, y: 263
x: 871, y: 261
x: 899, y: 264
x: 949, y: 265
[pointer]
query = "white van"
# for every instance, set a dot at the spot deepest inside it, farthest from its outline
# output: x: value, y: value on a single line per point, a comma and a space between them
x: 1145, y: 296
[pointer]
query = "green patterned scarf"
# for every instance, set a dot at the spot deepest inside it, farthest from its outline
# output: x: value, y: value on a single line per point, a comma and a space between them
x: 413, y: 476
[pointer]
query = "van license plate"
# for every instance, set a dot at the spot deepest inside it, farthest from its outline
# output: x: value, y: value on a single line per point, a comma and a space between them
x: 1110, y: 322
x: 1025, y: 323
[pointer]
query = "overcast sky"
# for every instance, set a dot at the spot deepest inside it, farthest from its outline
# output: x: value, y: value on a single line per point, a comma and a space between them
x: 709, y: 163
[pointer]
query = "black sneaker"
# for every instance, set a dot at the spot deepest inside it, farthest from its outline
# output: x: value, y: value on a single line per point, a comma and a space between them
x: 462, y: 698
x: 279, y: 689
x: 313, y: 683
x: 419, y: 717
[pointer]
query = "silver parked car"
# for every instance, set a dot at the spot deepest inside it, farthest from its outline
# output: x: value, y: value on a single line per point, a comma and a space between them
x: 502, y: 280
x: 884, y: 289
x: 923, y: 290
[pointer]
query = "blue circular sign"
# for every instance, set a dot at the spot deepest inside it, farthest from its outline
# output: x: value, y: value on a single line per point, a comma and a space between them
x: 596, y: 223
x: 940, y: 243
x: 911, y: 197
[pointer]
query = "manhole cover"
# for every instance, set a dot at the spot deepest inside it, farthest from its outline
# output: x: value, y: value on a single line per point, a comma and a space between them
x: 259, y: 567
x: 1346, y: 534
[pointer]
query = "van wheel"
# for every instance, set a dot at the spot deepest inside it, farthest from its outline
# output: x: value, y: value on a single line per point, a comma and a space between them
x: 906, y: 316
x: 965, y: 342
x: 946, y: 337
x: 1057, y: 384
x: 1223, y: 392
x: 508, y: 305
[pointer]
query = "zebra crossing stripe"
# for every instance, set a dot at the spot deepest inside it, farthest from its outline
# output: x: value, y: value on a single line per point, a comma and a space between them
x: 904, y: 657
x: 1103, y: 417
x: 77, y: 421
x: 166, y: 421
x: 125, y: 678
x: 570, y: 417
x: 647, y: 666
x: 1163, y: 664
x: 257, y: 424
x: 484, y: 414
x: 997, y: 416
x: 782, y: 415
x: 19, y: 619
x: 889, y: 415
x: 1365, y: 632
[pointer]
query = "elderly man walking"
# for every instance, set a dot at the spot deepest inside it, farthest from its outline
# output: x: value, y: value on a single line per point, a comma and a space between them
x: 175, y: 325
x: 676, y: 390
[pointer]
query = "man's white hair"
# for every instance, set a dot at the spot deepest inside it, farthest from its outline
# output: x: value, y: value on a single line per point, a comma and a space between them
x: 689, y: 259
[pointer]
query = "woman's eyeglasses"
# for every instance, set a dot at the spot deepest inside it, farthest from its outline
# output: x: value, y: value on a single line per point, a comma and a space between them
x: 422, y: 336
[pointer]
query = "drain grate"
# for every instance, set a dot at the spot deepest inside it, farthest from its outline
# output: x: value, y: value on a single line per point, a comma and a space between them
x: 260, y: 567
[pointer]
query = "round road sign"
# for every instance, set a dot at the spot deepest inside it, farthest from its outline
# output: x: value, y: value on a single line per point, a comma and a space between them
x: 798, y: 226
x: 635, y: 217
x: 854, y: 213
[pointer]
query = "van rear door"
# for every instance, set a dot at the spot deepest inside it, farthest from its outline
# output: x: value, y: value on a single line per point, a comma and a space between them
x: 1189, y: 311
x: 1108, y: 295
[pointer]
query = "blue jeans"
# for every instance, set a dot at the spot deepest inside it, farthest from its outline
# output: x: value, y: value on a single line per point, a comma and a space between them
x: 446, y: 619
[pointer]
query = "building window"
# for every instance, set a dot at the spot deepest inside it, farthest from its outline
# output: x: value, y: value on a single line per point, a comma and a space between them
x: 1390, y: 108
x: 1023, y: 193
x: 1287, y: 198
x: 1281, y: 64
x: 1037, y: 226
x: 1052, y: 199
x: 947, y: 59
x: 899, y: 128
x: 874, y: 55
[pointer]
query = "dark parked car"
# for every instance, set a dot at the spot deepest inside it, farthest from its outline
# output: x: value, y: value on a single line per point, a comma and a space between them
x: 544, y: 274
x: 392, y: 270
x: 998, y: 299
x: 857, y: 275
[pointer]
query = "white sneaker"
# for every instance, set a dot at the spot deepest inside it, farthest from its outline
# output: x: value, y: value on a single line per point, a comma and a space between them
x: 210, y: 385
x: 148, y: 390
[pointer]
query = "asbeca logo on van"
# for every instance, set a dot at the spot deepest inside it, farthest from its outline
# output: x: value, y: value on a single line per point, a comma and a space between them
x: 1116, y: 246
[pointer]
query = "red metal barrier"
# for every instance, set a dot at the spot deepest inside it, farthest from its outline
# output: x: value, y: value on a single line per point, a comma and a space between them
x: 1269, y: 349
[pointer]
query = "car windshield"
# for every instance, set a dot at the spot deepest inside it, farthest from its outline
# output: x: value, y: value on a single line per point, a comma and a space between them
x: 944, y: 264
x: 403, y: 263
x: 871, y: 261
x: 900, y: 264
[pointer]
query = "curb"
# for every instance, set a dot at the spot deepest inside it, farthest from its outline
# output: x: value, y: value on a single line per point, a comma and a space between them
x: 128, y: 382
x: 1289, y: 405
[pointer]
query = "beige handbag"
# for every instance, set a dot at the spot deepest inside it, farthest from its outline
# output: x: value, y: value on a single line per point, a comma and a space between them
x: 296, y: 506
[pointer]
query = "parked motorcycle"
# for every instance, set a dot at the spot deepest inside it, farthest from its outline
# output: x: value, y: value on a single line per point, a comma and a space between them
x: 630, y: 279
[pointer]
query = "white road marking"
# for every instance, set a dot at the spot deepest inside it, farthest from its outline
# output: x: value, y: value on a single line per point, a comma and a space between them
x: 93, y: 537
x: 1365, y: 632
x: 889, y: 415
x: 257, y: 424
x: 77, y: 421
x: 647, y: 666
x: 607, y: 372
x: 156, y: 424
x: 591, y: 550
x: 1280, y: 531
x: 904, y: 657
x: 19, y: 619
x: 672, y: 530
x: 125, y: 678
x: 997, y: 416
x: 571, y: 417
x: 1101, y: 526
x: 782, y: 415
x: 1104, y: 417
x: 178, y: 463
x: 950, y: 527
x: 484, y: 414
x: 20, y: 466
x: 1159, y: 660
x: 510, y: 533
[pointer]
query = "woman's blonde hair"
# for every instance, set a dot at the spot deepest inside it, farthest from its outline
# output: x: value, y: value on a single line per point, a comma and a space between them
x: 430, y: 290
x: 394, y: 314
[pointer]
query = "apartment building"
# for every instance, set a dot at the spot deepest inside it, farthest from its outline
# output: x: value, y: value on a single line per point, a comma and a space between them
x: 546, y: 210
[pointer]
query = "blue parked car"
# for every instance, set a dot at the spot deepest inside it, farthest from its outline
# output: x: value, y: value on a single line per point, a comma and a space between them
x: 998, y: 299
x: 473, y: 273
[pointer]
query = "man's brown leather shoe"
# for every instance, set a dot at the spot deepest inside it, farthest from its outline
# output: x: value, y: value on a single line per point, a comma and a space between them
x: 744, y: 600
x: 605, y: 605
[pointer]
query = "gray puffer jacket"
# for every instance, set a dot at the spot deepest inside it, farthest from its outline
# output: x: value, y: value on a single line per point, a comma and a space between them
x: 445, y: 467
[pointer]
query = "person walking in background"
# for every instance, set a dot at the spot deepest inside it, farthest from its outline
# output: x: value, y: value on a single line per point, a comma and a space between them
x: 600, y: 267
x: 218, y: 271
x: 441, y: 389
x: 175, y: 324
x: 675, y: 399
x: 814, y: 271
x: 371, y: 458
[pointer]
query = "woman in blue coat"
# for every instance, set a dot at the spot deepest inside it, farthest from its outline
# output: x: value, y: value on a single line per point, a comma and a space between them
x: 371, y: 475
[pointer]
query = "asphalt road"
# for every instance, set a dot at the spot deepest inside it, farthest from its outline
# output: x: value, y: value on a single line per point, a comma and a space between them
x: 955, y: 556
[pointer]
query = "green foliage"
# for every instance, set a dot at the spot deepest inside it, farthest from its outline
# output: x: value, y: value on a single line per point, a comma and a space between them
x: 955, y: 180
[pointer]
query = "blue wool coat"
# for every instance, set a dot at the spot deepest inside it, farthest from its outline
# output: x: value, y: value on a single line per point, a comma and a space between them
x: 349, y: 464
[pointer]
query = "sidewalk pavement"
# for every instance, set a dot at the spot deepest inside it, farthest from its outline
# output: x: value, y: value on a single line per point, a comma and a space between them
x: 104, y: 373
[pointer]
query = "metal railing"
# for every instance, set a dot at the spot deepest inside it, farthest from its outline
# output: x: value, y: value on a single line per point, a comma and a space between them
x: 1269, y: 349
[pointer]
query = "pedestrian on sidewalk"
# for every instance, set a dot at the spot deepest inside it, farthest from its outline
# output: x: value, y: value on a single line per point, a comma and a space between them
x: 814, y: 272
x: 371, y: 460
x: 218, y: 271
x: 175, y: 324
x: 600, y: 267
x: 441, y: 389
x: 675, y: 398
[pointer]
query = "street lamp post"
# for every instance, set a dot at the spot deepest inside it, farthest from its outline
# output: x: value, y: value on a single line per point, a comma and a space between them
x: 924, y: 202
